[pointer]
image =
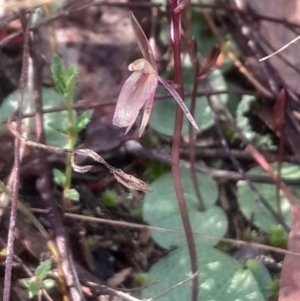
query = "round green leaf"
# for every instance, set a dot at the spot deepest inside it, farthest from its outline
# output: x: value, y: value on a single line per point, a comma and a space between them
x: 72, y: 194
x: 161, y: 209
x: 253, y: 209
x: 164, y: 185
x: 221, y: 277
x: 163, y: 114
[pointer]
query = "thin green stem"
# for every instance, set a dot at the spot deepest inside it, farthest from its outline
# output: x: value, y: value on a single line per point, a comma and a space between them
x: 71, y: 134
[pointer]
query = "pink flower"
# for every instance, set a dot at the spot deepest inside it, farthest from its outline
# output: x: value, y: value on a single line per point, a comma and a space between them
x: 139, y: 89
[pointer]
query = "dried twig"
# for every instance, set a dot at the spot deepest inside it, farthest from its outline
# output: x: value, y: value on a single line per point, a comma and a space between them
x: 16, y: 167
x: 125, y: 179
x: 125, y: 224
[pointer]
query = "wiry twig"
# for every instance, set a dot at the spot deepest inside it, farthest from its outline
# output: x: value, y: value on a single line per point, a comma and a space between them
x: 174, y: 287
x: 280, y: 49
x: 135, y: 148
x: 124, y: 224
x: 16, y: 167
x: 84, y: 105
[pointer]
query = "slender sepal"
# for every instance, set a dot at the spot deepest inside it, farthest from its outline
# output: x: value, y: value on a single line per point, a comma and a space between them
x: 179, y: 100
x: 142, y: 41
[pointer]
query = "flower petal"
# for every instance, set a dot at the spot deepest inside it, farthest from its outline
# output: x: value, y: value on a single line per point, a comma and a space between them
x: 142, y: 41
x: 179, y: 100
x: 129, y: 101
x: 147, y: 112
x: 134, y: 93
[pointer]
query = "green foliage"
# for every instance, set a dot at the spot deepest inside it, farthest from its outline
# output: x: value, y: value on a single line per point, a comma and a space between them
x: 59, y: 177
x: 155, y: 169
x: 83, y: 120
x: 261, y: 275
x: 200, y: 30
x: 72, y: 194
x: 48, y: 284
x: 42, y: 270
x: 274, y: 288
x: 160, y: 209
x: 278, y: 237
x: 254, y: 210
x: 221, y: 277
x: 109, y: 198
x: 92, y: 243
x: 3, y: 252
x: 140, y: 280
x: 39, y: 280
x: 65, y: 79
x: 243, y: 123
x: 32, y: 287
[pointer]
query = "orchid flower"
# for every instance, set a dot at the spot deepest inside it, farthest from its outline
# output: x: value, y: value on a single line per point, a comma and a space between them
x: 139, y: 89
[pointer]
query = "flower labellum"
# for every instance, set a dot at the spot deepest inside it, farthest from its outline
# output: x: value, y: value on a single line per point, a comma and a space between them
x: 139, y: 89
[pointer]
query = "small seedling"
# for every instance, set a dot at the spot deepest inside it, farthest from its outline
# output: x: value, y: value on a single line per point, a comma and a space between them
x: 39, y: 280
x: 66, y: 80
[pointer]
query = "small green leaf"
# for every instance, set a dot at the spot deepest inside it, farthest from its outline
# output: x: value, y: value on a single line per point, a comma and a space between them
x: 59, y: 177
x: 83, y: 120
x: 57, y: 128
x: 72, y: 194
x: 72, y: 80
x: 71, y: 83
x: 43, y: 269
x: 59, y: 74
x: 48, y: 283
x: 243, y: 123
x: 4, y: 252
x: 65, y: 78
x: 33, y: 289
x: 26, y: 282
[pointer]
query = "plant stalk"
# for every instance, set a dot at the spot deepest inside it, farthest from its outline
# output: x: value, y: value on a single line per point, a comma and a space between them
x: 175, y: 36
x: 71, y: 144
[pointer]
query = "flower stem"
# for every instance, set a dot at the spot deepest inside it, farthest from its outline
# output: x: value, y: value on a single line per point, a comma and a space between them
x: 175, y: 36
